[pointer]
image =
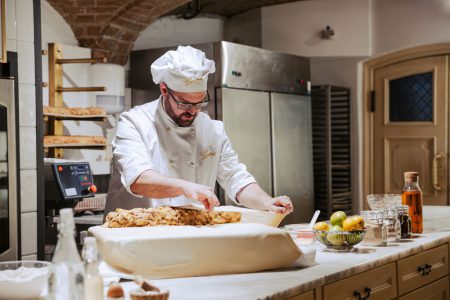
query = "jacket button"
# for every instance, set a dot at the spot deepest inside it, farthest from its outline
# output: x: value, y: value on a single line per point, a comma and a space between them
x: 192, y: 164
x: 168, y: 129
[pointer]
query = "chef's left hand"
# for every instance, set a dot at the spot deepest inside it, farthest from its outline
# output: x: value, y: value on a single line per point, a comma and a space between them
x: 280, y: 205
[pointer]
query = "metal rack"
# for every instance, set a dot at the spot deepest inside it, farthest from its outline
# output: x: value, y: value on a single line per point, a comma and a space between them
x: 56, y: 90
x: 332, y: 149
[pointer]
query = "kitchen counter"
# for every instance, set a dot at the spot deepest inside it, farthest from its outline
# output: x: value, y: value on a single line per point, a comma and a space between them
x: 331, y: 266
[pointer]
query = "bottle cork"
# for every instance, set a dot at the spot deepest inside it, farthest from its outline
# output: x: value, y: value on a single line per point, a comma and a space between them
x: 411, y: 176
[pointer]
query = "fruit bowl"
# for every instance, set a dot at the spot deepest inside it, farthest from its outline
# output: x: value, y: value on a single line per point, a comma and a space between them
x: 339, y: 240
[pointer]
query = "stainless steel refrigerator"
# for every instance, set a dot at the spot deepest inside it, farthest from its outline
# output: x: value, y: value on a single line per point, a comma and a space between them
x: 263, y: 99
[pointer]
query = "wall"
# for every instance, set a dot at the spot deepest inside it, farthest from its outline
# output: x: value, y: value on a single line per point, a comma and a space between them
x: 171, y: 31
x: 244, y: 28
x: 295, y: 28
x: 364, y: 29
x: 402, y: 24
x: 20, y: 38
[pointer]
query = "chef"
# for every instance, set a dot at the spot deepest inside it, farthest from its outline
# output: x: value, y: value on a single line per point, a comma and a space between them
x: 168, y: 152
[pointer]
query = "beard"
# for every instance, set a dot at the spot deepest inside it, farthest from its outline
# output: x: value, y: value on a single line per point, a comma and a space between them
x: 185, y: 119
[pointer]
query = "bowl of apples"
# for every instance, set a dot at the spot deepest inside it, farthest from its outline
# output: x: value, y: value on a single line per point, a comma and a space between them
x: 341, y: 232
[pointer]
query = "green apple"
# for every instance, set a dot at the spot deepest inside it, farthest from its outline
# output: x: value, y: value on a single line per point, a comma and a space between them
x: 337, y: 218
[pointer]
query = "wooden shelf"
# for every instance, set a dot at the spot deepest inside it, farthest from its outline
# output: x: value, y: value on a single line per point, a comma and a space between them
x: 77, y: 146
x: 75, y: 117
x: 57, y: 115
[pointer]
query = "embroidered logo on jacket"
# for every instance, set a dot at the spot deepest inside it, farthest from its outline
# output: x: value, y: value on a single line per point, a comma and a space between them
x: 207, y: 154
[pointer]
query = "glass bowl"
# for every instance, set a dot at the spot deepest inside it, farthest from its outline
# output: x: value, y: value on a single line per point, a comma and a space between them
x: 383, y: 201
x: 339, y: 240
x: 25, y: 279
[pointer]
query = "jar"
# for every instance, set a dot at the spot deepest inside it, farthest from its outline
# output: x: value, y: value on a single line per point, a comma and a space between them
x: 392, y: 224
x: 376, y: 234
x: 405, y: 221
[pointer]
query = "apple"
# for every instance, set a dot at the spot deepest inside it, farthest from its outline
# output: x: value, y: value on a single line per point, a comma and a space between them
x: 337, y: 218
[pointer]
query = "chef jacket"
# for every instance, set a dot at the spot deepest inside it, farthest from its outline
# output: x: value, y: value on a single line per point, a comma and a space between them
x: 148, y: 139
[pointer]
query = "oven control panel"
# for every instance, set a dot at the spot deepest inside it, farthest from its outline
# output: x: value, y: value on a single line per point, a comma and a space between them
x: 74, y: 180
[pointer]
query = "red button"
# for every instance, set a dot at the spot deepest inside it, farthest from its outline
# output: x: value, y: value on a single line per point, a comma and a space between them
x: 60, y: 168
x: 92, y: 189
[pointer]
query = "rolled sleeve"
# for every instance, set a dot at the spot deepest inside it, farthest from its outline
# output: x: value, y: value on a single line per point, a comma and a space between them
x: 232, y: 175
x: 131, y: 152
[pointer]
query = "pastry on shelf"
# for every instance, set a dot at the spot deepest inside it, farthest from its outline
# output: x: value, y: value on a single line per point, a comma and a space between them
x: 73, y: 140
x: 167, y: 215
x: 75, y: 111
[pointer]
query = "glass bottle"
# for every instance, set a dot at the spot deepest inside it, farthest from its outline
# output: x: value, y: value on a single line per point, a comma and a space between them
x: 93, y: 282
x: 392, y: 224
x: 412, y: 196
x: 66, y: 280
x: 405, y: 221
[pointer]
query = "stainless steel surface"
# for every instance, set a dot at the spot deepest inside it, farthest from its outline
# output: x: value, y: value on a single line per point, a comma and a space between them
x: 246, y: 67
x: 245, y: 115
x: 8, y: 195
x: 292, y: 153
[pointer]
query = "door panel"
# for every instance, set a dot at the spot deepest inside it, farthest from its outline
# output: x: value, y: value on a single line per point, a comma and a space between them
x: 247, y: 123
x: 292, y: 153
x: 410, y: 127
x: 413, y: 153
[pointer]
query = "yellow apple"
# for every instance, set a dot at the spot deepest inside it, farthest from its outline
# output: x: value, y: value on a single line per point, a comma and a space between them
x: 321, y: 226
x: 353, y: 223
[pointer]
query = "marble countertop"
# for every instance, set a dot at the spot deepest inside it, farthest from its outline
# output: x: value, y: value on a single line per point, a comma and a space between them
x: 331, y: 266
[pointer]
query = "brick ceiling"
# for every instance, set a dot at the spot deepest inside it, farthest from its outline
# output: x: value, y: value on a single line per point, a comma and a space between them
x: 110, y: 27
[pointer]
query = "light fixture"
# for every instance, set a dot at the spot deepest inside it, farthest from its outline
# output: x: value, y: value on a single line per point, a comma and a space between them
x: 327, y: 33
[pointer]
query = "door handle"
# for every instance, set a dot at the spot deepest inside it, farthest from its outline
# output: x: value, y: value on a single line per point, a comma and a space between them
x: 358, y: 295
x: 437, y: 157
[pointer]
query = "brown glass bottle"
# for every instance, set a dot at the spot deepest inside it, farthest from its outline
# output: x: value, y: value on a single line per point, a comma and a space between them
x: 412, y: 196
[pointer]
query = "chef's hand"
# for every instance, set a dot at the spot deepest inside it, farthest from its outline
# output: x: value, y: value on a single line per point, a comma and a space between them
x: 280, y: 205
x: 202, y: 193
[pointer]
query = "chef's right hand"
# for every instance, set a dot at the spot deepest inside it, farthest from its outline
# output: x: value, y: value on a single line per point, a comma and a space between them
x: 201, y: 193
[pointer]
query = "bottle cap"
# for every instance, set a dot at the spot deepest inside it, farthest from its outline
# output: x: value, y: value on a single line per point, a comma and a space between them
x: 411, y: 174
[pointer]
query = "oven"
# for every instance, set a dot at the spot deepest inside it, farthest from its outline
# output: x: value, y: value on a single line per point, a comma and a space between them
x: 8, y: 173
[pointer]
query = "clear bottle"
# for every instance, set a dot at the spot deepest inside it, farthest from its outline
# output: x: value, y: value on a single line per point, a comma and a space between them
x: 392, y: 224
x: 93, y: 282
x: 66, y: 280
x: 412, y: 196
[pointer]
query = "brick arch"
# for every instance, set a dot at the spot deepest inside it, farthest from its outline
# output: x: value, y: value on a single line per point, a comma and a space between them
x: 110, y: 27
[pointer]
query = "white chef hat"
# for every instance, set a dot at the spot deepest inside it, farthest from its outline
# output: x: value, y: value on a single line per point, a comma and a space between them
x: 183, y: 70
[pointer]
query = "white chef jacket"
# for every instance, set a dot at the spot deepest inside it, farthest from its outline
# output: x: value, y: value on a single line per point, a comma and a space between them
x: 148, y: 139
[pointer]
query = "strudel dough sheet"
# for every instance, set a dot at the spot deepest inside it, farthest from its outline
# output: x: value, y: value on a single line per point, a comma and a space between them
x: 183, y: 251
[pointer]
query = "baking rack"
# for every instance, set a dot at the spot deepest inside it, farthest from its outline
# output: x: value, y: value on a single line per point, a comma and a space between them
x: 331, y: 126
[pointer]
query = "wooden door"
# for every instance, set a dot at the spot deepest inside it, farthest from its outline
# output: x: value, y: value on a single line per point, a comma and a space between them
x: 410, y: 127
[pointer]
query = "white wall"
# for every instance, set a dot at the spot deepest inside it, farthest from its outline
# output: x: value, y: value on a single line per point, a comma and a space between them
x: 295, y: 27
x: 54, y: 27
x: 171, y: 31
x: 402, y: 24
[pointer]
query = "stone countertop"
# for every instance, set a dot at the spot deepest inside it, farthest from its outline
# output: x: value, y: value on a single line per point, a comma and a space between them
x: 331, y: 266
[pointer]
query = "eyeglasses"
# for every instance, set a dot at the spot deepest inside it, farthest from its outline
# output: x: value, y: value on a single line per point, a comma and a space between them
x: 188, y: 106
